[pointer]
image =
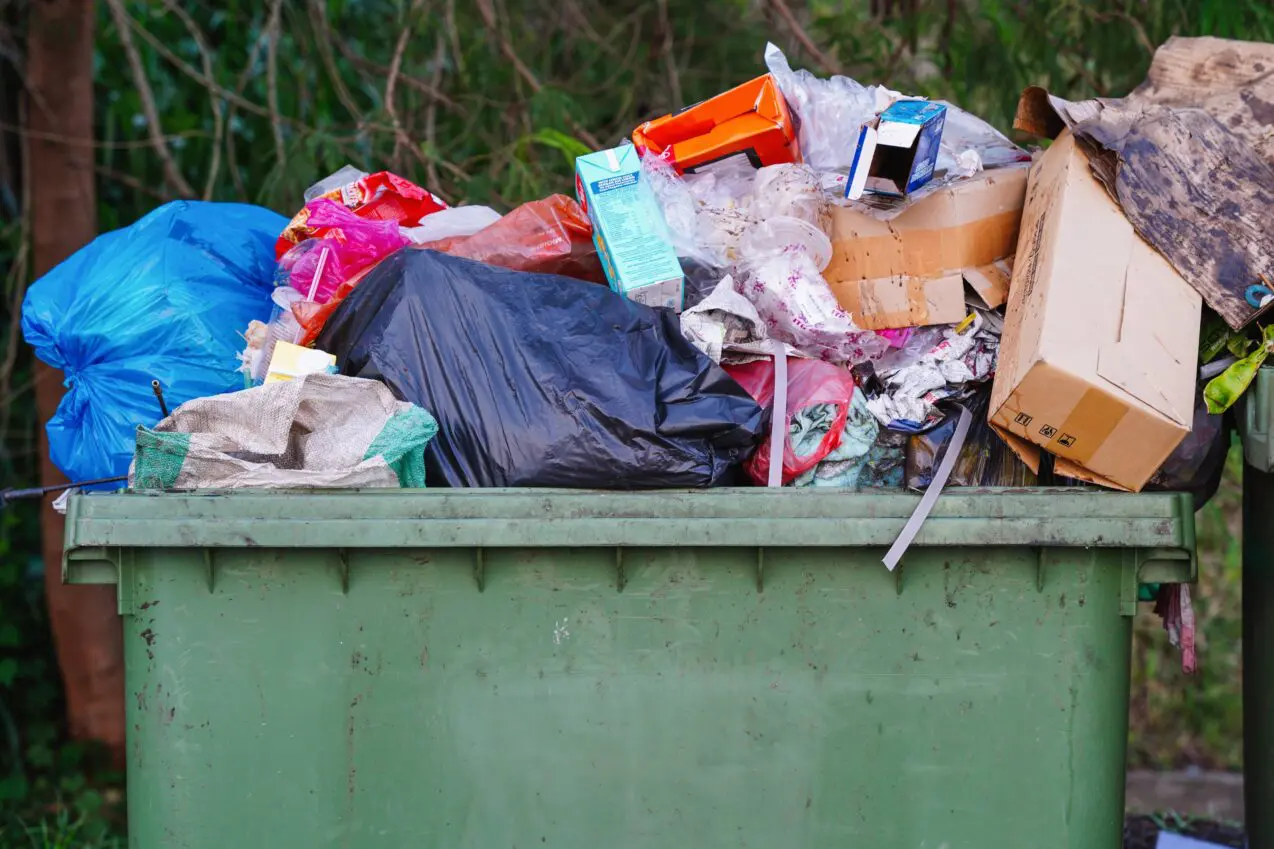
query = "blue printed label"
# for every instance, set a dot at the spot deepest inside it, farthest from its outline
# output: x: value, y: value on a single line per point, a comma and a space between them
x: 611, y: 183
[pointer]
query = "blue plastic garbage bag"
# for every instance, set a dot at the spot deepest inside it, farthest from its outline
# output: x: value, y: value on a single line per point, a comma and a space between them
x: 163, y: 299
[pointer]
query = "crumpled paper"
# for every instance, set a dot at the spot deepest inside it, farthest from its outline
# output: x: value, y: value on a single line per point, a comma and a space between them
x: 726, y: 327
x: 949, y: 359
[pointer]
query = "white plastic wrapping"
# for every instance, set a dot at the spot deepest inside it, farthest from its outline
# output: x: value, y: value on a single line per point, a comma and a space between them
x: 833, y: 111
x: 451, y: 223
x: 782, y: 258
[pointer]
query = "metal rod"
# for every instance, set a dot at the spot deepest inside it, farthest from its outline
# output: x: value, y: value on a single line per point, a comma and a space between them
x: 159, y: 396
x: 8, y: 495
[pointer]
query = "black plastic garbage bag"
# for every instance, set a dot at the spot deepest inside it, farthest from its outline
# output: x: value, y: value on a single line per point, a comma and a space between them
x: 1197, y: 464
x: 540, y: 380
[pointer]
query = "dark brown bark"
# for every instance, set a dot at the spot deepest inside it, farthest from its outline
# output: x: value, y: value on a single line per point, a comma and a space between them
x: 60, y: 156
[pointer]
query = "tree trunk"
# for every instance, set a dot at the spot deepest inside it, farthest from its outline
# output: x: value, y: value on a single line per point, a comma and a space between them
x: 60, y: 158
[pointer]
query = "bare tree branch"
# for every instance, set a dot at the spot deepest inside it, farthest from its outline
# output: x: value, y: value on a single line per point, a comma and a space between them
x: 395, y: 66
x: 365, y: 64
x: 273, y: 30
x: 218, y: 120
x: 172, y: 175
x: 71, y: 141
x: 670, y: 60
x: 326, y: 38
x: 431, y: 113
x: 798, y: 31
x: 487, y: 10
x: 132, y: 182
x: 453, y: 33
x: 233, y: 97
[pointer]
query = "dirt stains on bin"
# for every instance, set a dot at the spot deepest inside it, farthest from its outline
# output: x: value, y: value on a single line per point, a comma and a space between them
x: 351, y: 774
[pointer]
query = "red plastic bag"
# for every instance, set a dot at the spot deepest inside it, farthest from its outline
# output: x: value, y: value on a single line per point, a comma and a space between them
x: 809, y: 382
x: 377, y: 197
x: 548, y: 236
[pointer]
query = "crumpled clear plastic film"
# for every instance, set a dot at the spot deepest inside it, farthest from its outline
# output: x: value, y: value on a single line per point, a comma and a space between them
x: 832, y: 111
x: 766, y: 230
x: 707, y: 213
x: 782, y: 260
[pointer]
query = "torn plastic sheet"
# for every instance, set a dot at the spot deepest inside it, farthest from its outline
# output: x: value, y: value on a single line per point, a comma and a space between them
x: 782, y: 262
x: 708, y: 212
x: 985, y: 461
x: 1173, y: 606
x: 909, y: 530
x: 868, y: 455
x: 768, y: 228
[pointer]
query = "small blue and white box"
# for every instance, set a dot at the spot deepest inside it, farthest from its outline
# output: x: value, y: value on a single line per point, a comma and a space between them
x: 897, y: 150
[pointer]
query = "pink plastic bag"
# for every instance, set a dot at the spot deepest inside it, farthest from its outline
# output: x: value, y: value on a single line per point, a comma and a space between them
x: 809, y: 382
x: 349, y: 244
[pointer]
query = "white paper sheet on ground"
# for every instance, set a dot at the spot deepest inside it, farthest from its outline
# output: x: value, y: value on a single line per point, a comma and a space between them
x: 1168, y: 840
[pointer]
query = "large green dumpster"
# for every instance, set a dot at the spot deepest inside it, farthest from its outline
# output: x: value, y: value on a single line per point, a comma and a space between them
x: 710, y: 669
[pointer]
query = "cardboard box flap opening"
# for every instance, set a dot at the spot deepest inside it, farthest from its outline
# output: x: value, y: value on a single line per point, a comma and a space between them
x: 1067, y: 469
x: 897, y: 134
x: 863, y: 157
x: 1030, y: 453
x: 1027, y: 452
x: 990, y: 283
x: 898, y: 149
x: 1147, y: 363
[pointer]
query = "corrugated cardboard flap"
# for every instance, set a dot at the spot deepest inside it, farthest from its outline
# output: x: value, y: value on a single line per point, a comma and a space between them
x: 1142, y: 362
x: 1029, y: 453
x: 990, y: 283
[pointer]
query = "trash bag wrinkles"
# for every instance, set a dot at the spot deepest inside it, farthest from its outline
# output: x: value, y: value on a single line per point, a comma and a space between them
x: 162, y: 299
x: 539, y: 380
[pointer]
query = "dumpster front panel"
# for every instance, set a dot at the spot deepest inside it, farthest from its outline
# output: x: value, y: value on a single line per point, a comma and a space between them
x: 584, y: 697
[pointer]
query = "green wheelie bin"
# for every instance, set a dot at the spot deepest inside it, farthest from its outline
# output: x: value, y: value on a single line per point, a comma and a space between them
x: 1256, y: 423
x: 724, y: 668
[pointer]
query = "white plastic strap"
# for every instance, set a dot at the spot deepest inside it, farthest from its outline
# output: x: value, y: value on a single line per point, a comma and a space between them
x: 909, y: 530
x: 778, y: 416
x: 318, y: 274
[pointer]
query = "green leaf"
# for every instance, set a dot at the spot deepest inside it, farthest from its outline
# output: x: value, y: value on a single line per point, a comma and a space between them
x: 8, y: 671
x: 570, y: 146
x: 13, y: 788
x: 1228, y: 386
x: 40, y: 756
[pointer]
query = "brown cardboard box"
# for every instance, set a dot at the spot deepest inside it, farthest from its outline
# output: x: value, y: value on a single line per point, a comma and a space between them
x: 1100, y: 347
x: 909, y: 270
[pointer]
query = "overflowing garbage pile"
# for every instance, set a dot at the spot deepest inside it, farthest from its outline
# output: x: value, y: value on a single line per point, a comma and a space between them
x: 798, y: 282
